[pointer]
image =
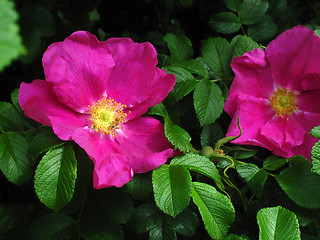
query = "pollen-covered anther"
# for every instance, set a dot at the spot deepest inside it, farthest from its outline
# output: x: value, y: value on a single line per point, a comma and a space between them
x: 107, y: 116
x: 283, y: 102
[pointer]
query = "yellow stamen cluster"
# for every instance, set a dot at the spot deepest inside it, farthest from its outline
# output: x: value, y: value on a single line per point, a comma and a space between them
x: 107, y: 116
x: 283, y: 102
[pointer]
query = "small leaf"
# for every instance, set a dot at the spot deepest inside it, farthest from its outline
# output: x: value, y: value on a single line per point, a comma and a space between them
x: 10, y: 41
x: 186, y: 223
x: 233, y: 5
x: 315, y: 157
x: 244, y: 153
x: 164, y: 231
x: 315, y: 132
x: 242, y: 44
x: 179, y: 137
x: 278, y: 223
x: 14, y: 161
x: 264, y: 29
x: 198, y: 164
x: 217, y: 54
x: 250, y: 11
x: 225, y: 22
x: 215, y: 208
x: 274, y: 162
x: 186, y: 3
x: 160, y: 110
x: 51, y: 226
x: 208, y: 102
x: 55, y: 176
x: 247, y: 170
x: 140, y: 186
x: 180, y: 47
x: 172, y: 188
x: 193, y: 66
x: 211, y: 134
x: 300, y: 183
x: 15, y: 100
x: 236, y: 237
x: 10, y: 119
x: 185, y: 82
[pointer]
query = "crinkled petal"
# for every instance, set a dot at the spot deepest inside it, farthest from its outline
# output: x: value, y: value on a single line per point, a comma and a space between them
x: 40, y: 103
x: 135, y: 78
x: 284, y: 133
x: 252, y: 78
x: 163, y: 84
x: 306, y: 101
x: 143, y: 142
x: 254, y: 113
x: 294, y: 59
x: 111, y: 167
x: 78, y: 68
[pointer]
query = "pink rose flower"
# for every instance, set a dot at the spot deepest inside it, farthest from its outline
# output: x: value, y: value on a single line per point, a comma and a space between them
x: 276, y: 94
x: 94, y: 94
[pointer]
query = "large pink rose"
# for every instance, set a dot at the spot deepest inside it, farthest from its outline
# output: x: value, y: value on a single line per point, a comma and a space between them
x: 276, y: 94
x: 94, y: 94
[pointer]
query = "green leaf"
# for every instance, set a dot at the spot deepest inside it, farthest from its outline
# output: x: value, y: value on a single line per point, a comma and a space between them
x: 233, y: 5
x: 247, y: 170
x: 250, y: 11
x: 264, y: 29
x: 211, y: 134
x: 185, y: 82
x: 51, y: 226
x: 215, y: 208
x: 180, y: 47
x: 198, y: 164
x: 14, y: 162
x: 146, y: 217
x: 225, y: 22
x: 277, y: 223
x: 315, y: 132
x: 140, y: 187
x: 242, y: 44
x: 10, y: 119
x: 110, y: 231
x: 10, y: 41
x: 277, y: 8
x: 274, y: 162
x: 208, y: 102
x: 43, y: 141
x: 186, y: 223
x: 55, y: 177
x: 165, y: 231
x: 244, y: 153
x: 217, y: 54
x: 179, y: 137
x: 315, y: 157
x: 15, y: 100
x: 300, y: 183
x: 160, y: 110
x: 193, y: 66
x: 186, y: 3
x: 236, y: 237
x: 172, y: 188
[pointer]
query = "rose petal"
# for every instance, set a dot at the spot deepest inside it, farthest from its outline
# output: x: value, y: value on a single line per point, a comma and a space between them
x: 40, y: 103
x: 78, y: 68
x: 306, y: 101
x: 252, y: 78
x: 143, y: 142
x: 295, y: 63
x: 111, y: 167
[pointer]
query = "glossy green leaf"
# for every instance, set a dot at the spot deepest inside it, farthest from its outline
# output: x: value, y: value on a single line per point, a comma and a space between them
x: 264, y: 29
x: 185, y: 82
x: 217, y: 53
x: 247, y: 170
x: 208, y: 102
x: 210, y: 134
x: 186, y: 223
x: 193, y: 66
x: 277, y: 223
x: 140, y: 186
x: 10, y: 119
x: 55, y: 177
x: 51, y: 226
x: 315, y: 132
x: 14, y: 162
x: 250, y: 11
x: 160, y: 110
x: 172, y: 188
x: 274, y: 162
x: 225, y: 22
x: 180, y: 47
x: 10, y: 41
x: 179, y: 137
x: 198, y: 164
x: 236, y: 237
x: 300, y: 183
x: 242, y: 44
x: 164, y: 231
x: 15, y: 100
x: 215, y: 208
x: 315, y: 157
x: 233, y: 5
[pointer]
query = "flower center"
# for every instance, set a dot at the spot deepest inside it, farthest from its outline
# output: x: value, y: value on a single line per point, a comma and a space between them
x: 283, y: 102
x: 107, y: 116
